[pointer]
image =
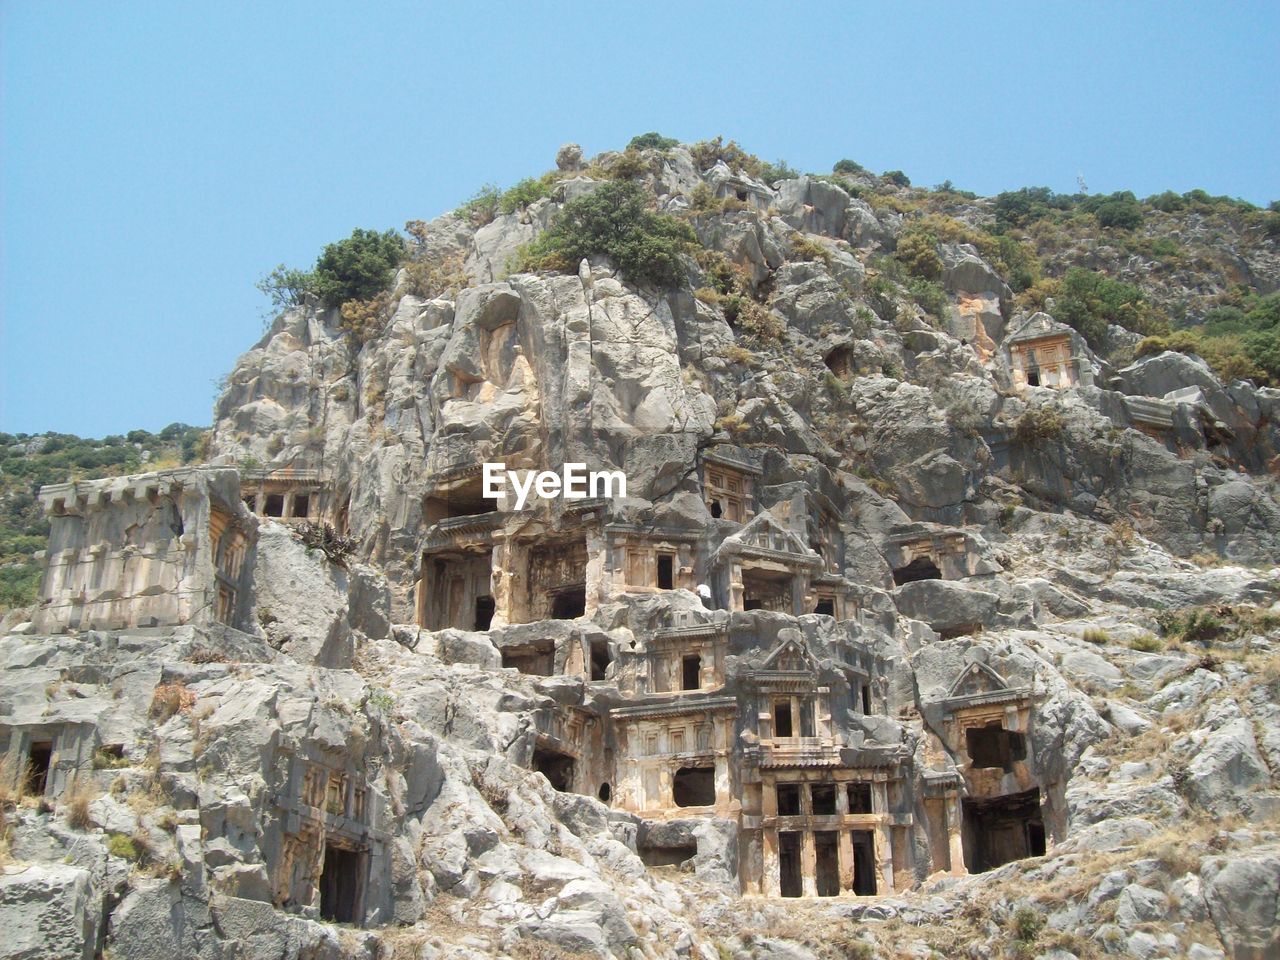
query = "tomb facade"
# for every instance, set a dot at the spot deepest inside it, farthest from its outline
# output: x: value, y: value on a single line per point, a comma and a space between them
x: 153, y: 550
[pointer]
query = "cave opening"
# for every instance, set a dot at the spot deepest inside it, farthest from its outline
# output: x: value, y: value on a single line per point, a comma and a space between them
x: 557, y: 767
x: 600, y: 659
x: 993, y: 746
x: 484, y: 612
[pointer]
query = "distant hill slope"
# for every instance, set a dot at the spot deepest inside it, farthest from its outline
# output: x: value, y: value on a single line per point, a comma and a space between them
x: 28, y: 461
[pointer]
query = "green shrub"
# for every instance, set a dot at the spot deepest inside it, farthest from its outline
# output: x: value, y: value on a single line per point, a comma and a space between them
x: 1039, y: 425
x: 918, y: 253
x: 286, y: 287
x: 359, y: 267
x: 896, y: 177
x: 707, y: 153
x: 1017, y: 263
x: 1167, y: 202
x: 1119, y: 209
x: 1192, y: 625
x: 930, y: 296
x: 482, y: 206
x: 525, y: 192
x: 628, y: 165
x: 1026, y: 924
x: 1021, y: 207
x: 743, y: 313
x: 848, y: 167
x: 652, y: 141
x: 882, y: 296
x: 1090, y: 301
x: 1145, y: 643
x: 803, y: 248
x: 136, y: 849
x: 771, y: 173
x: 614, y: 221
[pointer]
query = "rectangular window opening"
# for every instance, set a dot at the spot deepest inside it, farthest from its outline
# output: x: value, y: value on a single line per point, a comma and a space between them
x: 822, y: 798
x: 782, y: 719
x: 788, y: 799
x: 666, y: 571
x: 859, y: 798
x: 691, y: 672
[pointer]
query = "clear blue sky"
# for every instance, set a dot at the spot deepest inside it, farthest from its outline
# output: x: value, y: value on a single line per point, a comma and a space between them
x: 158, y: 158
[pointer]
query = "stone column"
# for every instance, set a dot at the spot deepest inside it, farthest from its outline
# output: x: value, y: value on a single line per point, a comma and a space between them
x: 771, y: 881
x: 808, y: 863
x: 846, y: 845
x: 884, y: 855
x: 955, y: 836
x: 736, y: 588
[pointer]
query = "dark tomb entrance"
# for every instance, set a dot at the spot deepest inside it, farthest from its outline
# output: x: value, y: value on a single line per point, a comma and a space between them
x: 340, y: 884
x: 864, y: 863
x: 600, y: 659
x: 39, y: 758
x: 569, y: 604
x: 921, y: 568
x: 1001, y: 830
x: 694, y: 787
x: 823, y: 799
x: 556, y: 767
x: 484, y: 612
x: 789, y: 880
x: 994, y: 746
x: 826, y: 847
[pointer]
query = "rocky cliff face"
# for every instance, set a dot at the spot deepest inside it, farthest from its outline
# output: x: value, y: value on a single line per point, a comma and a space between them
x: 917, y: 632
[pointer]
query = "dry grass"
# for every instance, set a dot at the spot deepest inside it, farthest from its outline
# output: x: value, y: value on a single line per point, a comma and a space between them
x: 170, y: 699
x: 77, y: 807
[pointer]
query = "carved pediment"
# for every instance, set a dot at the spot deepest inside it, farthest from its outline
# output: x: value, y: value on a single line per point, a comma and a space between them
x: 1036, y: 327
x: 790, y: 655
x: 976, y: 680
x: 766, y: 536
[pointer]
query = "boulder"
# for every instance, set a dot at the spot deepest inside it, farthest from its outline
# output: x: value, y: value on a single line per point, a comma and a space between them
x: 49, y: 912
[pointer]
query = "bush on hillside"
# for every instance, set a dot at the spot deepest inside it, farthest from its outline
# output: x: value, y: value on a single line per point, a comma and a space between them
x: 1090, y: 301
x: 525, y: 192
x: 618, y: 222
x: 286, y: 287
x: 707, y: 153
x: 359, y: 267
x: 652, y: 141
